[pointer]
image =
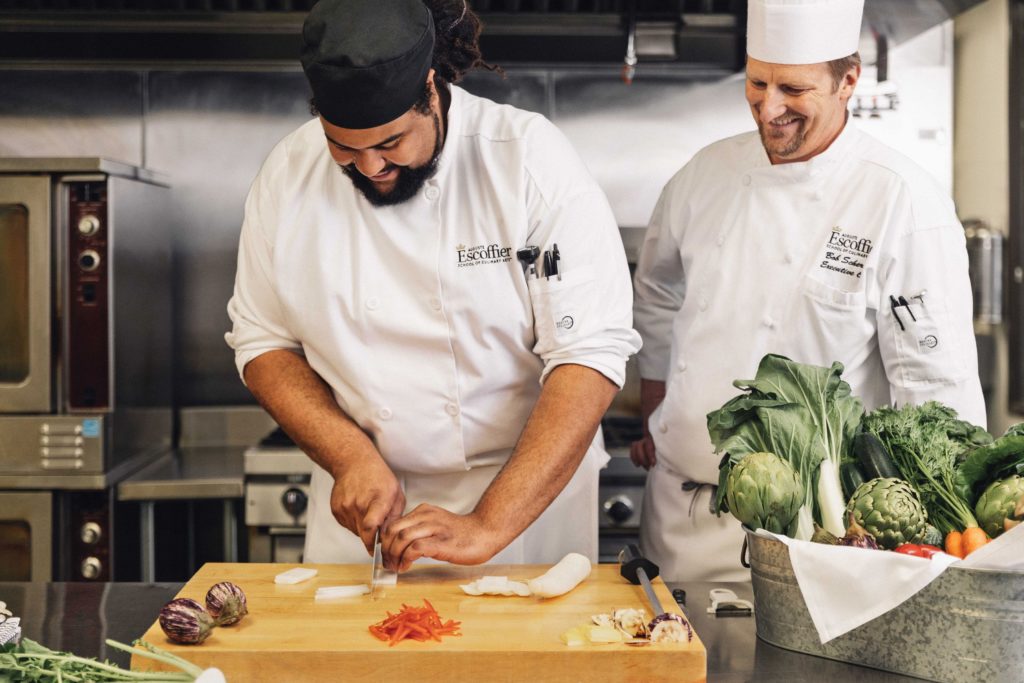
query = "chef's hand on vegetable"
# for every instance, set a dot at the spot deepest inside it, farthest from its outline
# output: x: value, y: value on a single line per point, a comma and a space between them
x: 431, y: 531
x: 366, y: 495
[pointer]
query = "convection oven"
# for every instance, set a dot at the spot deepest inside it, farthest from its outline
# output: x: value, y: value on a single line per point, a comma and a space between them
x: 85, y: 356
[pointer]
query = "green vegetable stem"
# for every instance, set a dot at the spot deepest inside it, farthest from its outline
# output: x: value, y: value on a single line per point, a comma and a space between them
x: 31, y: 661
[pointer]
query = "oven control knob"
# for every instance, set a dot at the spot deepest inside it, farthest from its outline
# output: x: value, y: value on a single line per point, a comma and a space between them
x: 91, y: 567
x: 91, y: 533
x: 618, y: 508
x: 294, y: 501
x: 88, y: 225
x: 89, y: 260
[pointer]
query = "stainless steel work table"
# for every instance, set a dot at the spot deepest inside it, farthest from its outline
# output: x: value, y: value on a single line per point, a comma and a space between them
x: 192, y: 473
x: 78, y: 617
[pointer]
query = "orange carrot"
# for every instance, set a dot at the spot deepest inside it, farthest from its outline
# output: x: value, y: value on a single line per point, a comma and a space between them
x: 955, y: 544
x: 416, y: 623
x: 974, y: 538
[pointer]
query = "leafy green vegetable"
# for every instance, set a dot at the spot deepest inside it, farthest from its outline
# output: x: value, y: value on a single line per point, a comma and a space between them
x: 926, y: 443
x: 802, y: 413
x: 31, y: 661
x: 1000, y: 459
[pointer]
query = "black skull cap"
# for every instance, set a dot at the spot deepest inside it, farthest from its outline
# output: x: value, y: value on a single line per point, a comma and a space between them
x: 367, y: 60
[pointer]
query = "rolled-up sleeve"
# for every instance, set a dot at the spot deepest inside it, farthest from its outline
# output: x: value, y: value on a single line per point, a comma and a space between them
x: 258, y: 320
x: 586, y: 317
x: 660, y: 289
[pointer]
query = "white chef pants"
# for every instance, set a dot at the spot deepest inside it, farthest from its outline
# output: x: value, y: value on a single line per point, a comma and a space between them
x: 568, y: 525
x: 681, y: 536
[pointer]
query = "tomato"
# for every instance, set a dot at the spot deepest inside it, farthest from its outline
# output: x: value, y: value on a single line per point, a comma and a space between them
x: 918, y: 549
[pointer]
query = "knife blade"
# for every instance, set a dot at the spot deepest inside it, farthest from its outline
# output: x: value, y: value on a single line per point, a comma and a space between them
x: 378, y: 566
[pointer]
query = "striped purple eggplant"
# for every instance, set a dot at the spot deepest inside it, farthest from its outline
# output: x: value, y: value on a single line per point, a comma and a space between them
x: 185, y: 621
x: 226, y: 603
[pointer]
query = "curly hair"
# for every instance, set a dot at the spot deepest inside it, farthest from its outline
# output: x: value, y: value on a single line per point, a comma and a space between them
x: 456, y: 48
x: 456, y: 40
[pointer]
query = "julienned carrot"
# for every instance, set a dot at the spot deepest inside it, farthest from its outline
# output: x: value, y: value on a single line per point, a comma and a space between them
x: 954, y: 544
x: 974, y: 538
x: 417, y: 623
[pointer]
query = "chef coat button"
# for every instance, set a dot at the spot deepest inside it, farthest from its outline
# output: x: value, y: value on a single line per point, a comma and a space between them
x: 768, y: 322
x: 682, y: 366
x: 746, y: 180
x: 372, y: 303
x: 662, y: 427
x: 384, y: 413
x: 703, y: 304
x: 787, y: 257
x: 721, y: 240
x: 451, y: 409
x: 435, y: 303
x: 431, y: 192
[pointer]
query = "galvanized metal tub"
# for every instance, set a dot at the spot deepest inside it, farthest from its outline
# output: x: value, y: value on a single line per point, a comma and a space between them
x: 967, y: 626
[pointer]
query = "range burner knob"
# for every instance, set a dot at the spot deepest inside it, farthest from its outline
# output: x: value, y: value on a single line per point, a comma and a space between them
x: 294, y: 501
x: 618, y: 508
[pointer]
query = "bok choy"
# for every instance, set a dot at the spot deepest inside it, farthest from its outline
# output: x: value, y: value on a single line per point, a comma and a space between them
x: 807, y: 416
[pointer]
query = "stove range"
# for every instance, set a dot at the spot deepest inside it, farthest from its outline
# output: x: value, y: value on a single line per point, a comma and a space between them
x: 277, y: 478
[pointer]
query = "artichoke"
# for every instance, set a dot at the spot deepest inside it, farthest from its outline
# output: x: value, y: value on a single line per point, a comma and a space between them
x: 890, y: 510
x: 764, y: 492
x: 997, y: 503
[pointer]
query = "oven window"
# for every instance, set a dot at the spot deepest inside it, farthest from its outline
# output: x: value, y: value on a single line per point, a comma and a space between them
x: 16, y: 549
x: 14, y: 359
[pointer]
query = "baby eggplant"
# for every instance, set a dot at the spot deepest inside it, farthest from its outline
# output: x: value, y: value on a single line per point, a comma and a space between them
x: 226, y: 603
x: 185, y: 621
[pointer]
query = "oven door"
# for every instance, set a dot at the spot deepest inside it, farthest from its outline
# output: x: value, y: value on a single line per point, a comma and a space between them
x: 26, y: 536
x: 25, y: 294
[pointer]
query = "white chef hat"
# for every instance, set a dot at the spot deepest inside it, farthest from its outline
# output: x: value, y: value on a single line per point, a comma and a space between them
x: 803, y: 31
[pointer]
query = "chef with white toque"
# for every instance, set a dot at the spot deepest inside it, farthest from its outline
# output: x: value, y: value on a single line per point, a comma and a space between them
x: 807, y: 238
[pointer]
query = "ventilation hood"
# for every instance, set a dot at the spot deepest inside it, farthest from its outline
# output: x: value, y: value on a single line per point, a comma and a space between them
x: 668, y: 33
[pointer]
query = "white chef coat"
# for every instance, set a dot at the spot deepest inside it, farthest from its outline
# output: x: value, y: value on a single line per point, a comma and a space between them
x: 743, y: 258
x: 419, y: 316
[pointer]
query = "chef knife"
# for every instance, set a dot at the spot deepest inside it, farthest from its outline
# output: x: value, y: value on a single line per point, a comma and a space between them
x: 378, y: 566
x: 380, y: 578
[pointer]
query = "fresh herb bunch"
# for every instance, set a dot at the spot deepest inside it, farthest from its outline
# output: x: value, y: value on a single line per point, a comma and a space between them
x: 31, y: 661
x: 927, y: 444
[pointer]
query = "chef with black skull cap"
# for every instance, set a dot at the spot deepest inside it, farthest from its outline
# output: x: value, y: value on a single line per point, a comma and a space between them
x: 450, y: 400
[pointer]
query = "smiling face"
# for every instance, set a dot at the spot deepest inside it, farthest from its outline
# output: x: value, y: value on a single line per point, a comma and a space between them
x: 798, y: 108
x: 389, y: 163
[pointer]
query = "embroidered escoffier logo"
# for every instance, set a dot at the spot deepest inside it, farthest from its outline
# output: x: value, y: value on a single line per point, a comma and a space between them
x: 482, y: 255
x: 845, y: 253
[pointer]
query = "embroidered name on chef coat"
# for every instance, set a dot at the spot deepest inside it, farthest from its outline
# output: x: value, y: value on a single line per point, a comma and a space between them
x: 845, y: 253
x: 482, y: 255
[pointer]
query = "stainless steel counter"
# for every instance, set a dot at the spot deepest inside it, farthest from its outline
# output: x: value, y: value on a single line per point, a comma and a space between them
x: 188, y: 473
x: 78, y: 617
x: 192, y: 473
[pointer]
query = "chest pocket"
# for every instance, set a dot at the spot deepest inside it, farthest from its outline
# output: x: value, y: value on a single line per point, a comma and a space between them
x: 563, y: 310
x: 925, y: 343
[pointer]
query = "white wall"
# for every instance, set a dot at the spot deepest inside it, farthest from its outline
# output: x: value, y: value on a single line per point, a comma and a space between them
x: 981, y: 146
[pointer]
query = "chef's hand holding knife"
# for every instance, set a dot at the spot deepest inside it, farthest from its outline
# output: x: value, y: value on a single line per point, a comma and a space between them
x: 366, y: 496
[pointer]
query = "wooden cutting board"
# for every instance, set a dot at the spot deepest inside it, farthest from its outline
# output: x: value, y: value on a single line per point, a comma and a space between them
x: 289, y: 637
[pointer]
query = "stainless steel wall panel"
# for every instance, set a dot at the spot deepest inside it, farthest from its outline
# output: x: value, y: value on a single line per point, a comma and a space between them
x: 634, y: 137
x: 72, y: 113
x: 211, y: 132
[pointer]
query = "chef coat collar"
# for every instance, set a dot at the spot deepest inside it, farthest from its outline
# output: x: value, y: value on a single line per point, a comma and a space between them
x: 763, y: 171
